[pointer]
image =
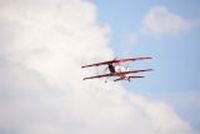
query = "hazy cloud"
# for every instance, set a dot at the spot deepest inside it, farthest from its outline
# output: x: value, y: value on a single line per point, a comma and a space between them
x: 132, y: 38
x: 160, y: 21
x: 43, y: 45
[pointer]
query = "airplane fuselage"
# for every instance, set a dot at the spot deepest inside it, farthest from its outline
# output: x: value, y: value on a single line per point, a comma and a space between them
x: 118, y: 69
x: 111, y: 68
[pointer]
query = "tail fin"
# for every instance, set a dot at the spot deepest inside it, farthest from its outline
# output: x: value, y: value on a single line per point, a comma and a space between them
x: 135, y: 77
x: 129, y: 78
x: 118, y: 79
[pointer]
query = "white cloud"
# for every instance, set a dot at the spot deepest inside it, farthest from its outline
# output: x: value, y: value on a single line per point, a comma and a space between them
x: 160, y: 21
x: 43, y: 44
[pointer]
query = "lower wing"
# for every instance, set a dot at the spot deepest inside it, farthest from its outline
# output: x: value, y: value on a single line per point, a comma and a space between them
x: 98, y: 76
x: 116, y: 74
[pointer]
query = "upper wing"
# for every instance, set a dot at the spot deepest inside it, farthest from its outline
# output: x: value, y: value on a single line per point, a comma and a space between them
x: 132, y: 59
x: 117, y: 74
x: 97, y: 64
x: 116, y: 61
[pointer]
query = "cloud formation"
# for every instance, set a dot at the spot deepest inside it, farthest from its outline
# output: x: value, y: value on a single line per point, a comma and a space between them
x: 160, y: 21
x: 43, y: 45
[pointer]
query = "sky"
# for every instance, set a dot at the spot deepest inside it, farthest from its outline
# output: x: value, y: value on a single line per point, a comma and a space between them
x: 45, y: 42
x: 168, y: 31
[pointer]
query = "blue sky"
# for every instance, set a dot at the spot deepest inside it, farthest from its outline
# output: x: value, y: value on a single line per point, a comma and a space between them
x: 175, y: 56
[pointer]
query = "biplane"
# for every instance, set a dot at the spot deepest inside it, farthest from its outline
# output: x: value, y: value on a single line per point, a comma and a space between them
x: 117, y: 70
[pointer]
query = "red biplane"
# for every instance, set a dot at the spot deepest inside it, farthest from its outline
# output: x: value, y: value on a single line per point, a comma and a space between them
x: 117, y: 70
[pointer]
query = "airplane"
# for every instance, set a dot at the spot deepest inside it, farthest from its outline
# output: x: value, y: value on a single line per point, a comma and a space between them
x: 117, y: 70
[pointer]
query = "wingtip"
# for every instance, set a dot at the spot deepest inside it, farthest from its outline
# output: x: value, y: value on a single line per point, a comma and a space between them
x: 150, y: 69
